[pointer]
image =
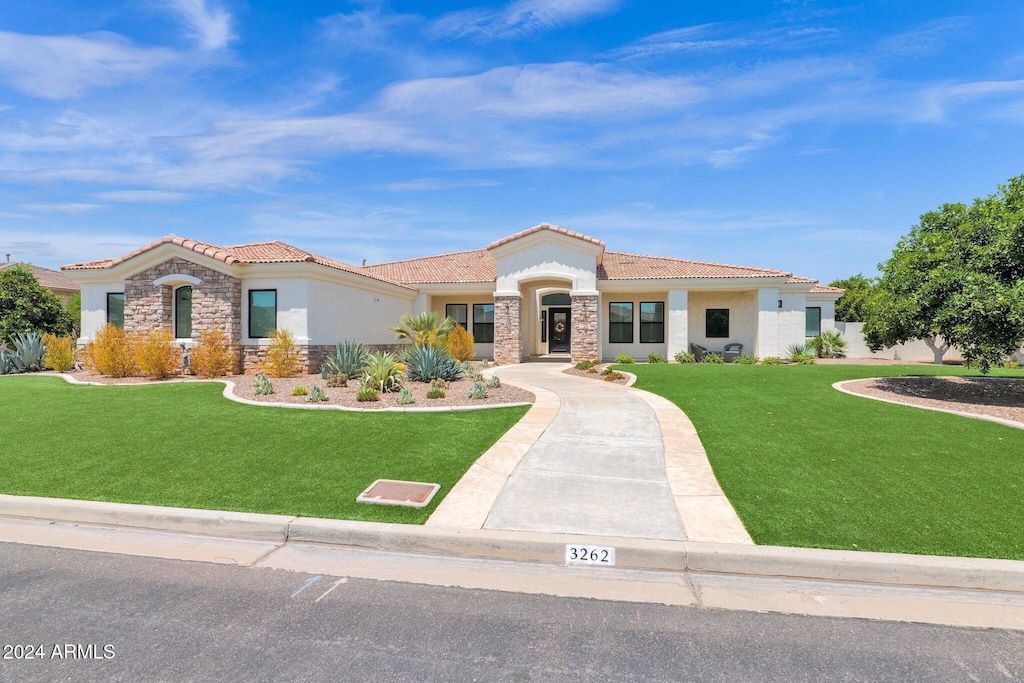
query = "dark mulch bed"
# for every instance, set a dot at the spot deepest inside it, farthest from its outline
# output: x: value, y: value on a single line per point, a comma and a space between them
x: 994, y: 396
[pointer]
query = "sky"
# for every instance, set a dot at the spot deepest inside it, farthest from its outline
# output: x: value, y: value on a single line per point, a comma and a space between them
x: 802, y: 136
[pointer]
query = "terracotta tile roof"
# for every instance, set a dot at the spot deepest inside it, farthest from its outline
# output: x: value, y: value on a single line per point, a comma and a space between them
x: 545, y: 226
x: 51, y: 279
x: 259, y: 252
x: 826, y: 289
x: 621, y: 266
x: 460, y: 267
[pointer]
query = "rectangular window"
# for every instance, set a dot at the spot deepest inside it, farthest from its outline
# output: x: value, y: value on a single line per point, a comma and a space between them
x: 620, y: 323
x: 813, y: 321
x: 183, y: 313
x: 717, y: 323
x: 115, y: 309
x: 652, y: 322
x: 262, y: 312
x: 458, y: 313
x: 483, y: 323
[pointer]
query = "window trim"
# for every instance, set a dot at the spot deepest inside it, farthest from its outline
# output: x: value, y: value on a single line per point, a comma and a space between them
x: 174, y: 310
x: 120, y: 294
x: 632, y: 320
x: 476, y: 337
x: 249, y: 312
x: 809, y: 308
x: 661, y: 340
x: 449, y: 315
x: 707, y: 323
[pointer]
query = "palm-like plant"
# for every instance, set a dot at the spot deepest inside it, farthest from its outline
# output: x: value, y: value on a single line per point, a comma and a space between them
x: 424, y: 329
x: 382, y: 372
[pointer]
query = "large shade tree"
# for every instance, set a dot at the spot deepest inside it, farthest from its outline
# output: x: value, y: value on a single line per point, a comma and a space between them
x: 958, y: 274
x: 27, y: 306
x: 850, y: 306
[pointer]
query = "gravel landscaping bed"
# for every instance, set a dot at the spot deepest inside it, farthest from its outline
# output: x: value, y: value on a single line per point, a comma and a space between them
x: 593, y: 375
x: 1001, y: 397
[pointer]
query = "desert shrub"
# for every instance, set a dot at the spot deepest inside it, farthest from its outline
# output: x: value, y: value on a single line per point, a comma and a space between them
x: 347, y: 358
x: 405, y: 397
x: 337, y: 379
x: 655, y: 358
x: 156, y: 354
x: 624, y: 359
x: 685, y: 357
x: 479, y: 390
x: 427, y: 363
x: 494, y: 382
x: 381, y: 372
x: 262, y: 385
x: 60, y: 352
x: 801, y: 355
x: 299, y: 391
x: 459, y: 343
x: 1010, y: 364
x: 712, y: 359
x: 112, y: 352
x: 213, y: 355
x: 585, y: 364
x: 828, y: 344
x: 317, y: 395
x: 27, y: 353
x: 771, y: 360
x: 282, y: 355
x: 607, y: 371
x: 367, y: 393
x: 435, y: 392
x: 613, y: 375
x: 745, y: 359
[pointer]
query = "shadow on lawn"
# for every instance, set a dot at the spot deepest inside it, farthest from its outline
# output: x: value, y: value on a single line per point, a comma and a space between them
x: 989, y: 391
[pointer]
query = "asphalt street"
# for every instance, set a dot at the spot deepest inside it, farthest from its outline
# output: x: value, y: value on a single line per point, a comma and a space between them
x: 162, y: 620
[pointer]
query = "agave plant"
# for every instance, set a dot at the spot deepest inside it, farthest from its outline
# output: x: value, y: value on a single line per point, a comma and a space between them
x: 347, y: 359
x: 423, y: 329
x: 28, y: 353
x: 6, y: 365
x: 427, y: 363
x: 381, y: 371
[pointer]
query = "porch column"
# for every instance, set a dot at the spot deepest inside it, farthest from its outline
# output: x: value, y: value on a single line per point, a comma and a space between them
x: 768, y: 322
x: 583, y: 340
x: 678, y: 322
x: 508, y: 338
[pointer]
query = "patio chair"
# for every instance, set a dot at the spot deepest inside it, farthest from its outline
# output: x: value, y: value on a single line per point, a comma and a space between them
x: 698, y: 351
x: 732, y: 352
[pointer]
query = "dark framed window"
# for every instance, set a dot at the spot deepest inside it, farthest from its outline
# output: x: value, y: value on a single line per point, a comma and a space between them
x: 556, y: 299
x: 262, y: 313
x: 652, y: 322
x: 483, y: 323
x: 717, y: 323
x: 115, y: 309
x: 813, y: 321
x: 459, y: 313
x: 620, y: 322
x: 183, y: 313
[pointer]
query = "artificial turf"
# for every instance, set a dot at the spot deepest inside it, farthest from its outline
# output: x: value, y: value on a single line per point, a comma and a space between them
x: 806, y: 465
x: 185, y: 445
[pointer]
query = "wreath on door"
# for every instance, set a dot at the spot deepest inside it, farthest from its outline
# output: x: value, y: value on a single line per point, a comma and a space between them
x: 559, y: 327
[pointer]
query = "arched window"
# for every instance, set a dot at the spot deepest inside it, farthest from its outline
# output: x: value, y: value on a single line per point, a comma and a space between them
x: 559, y: 299
x: 183, y: 313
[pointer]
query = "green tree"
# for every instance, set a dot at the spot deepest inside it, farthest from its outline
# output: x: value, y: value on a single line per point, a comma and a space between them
x: 27, y: 306
x: 850, y: 306
x: 74, y: 309
x: 959, y: 273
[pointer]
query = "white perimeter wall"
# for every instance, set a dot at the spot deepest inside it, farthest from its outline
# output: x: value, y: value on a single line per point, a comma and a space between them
x: 913, y: 352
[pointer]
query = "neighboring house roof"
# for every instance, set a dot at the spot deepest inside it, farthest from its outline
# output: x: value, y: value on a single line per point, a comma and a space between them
x: 51, y: 279
x: 258, y: 252
x: 548, y: 227
x: 827, y: 289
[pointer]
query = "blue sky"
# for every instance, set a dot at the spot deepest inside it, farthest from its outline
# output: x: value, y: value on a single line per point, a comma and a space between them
x: 796, y: 135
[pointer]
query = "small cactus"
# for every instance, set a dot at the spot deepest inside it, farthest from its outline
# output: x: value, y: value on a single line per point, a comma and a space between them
x: 262, y: 385
x: 435, y: 392
x: 479, y: 390
x: 405, y: 397
x: 494, y: 383
x: 317, y: 395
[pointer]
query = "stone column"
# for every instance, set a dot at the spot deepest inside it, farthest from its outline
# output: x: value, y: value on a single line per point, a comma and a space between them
x: 508, y: 340
x: 678, y: 322
x: 768, y: 322
x: 584, y: 336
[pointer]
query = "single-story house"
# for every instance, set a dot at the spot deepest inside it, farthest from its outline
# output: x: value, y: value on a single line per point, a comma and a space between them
x: 53, y: 280
x: 542, y: 292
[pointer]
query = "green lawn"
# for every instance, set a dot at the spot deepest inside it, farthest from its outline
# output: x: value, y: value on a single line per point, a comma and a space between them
x: 806, y: 465
x: 185, y: 445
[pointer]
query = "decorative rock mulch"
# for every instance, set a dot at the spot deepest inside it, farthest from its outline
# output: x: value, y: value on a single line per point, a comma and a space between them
x: 1001, y: 397
x: 594, y: 375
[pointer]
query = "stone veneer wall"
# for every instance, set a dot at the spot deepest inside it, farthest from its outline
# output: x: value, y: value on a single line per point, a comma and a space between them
x: 584, y: 328
x: 508, y: 338
x: 311, y: 357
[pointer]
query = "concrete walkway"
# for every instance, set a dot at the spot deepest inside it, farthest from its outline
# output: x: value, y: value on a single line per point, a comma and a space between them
x: 599, y: 467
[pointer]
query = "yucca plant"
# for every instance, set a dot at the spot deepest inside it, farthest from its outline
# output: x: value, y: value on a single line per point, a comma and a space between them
x: 28, y: 352
x: 423, y: 329
x: 381, y: 372
x: 427, y: 363
x: 347, y: 359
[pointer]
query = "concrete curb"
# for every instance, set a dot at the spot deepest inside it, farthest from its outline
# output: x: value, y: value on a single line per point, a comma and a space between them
x: 229, y: 393
x: 840, y: 386
x: 936, y: 572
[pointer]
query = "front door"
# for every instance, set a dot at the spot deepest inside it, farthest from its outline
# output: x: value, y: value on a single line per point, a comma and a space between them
x: 558, y: 330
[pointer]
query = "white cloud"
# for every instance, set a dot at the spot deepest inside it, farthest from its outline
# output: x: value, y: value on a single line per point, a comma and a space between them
x: 61, y: 67
x: 52, y: 249
x: 208, y: 23
x: 520, y: 17
x: 142, y: 196
x: 436, y: 184
x: 73, y: 208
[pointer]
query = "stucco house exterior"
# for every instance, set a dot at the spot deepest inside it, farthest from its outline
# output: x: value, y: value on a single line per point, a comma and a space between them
x: 542, y: 292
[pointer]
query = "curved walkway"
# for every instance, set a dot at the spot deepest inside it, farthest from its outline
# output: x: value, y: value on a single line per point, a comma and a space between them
x: 610, y: 461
